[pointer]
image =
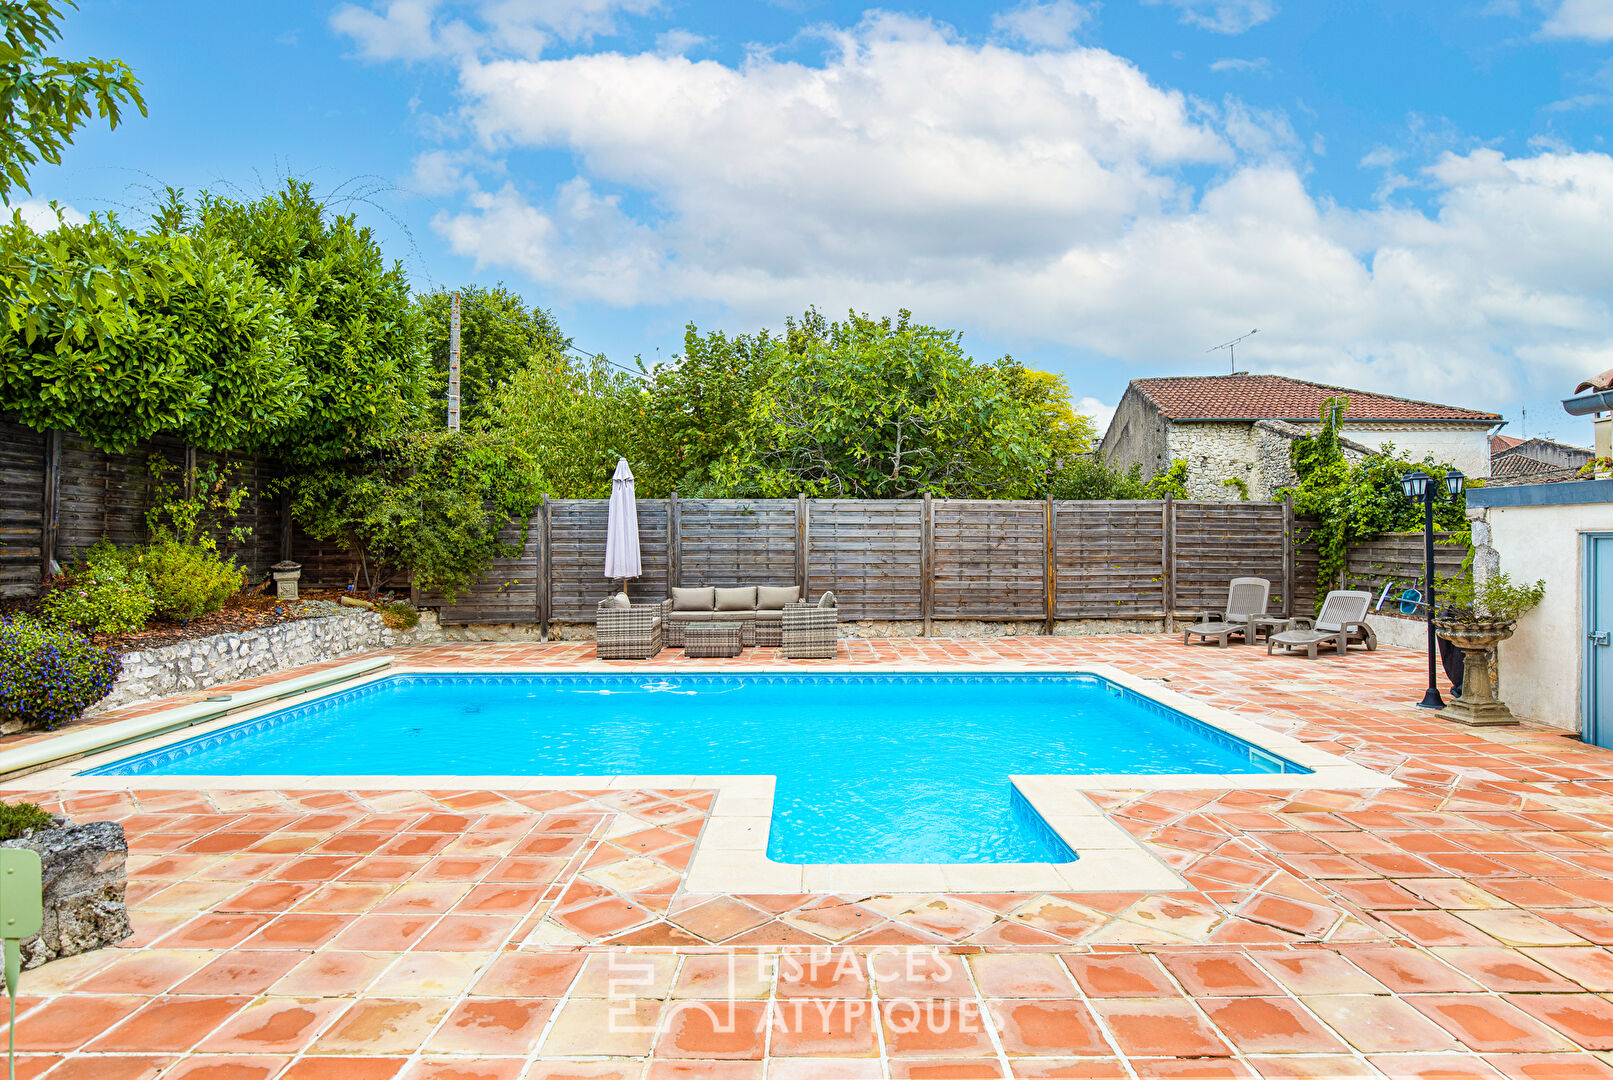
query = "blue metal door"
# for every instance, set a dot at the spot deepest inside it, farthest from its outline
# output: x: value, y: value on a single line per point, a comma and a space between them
x: 1597, y: 708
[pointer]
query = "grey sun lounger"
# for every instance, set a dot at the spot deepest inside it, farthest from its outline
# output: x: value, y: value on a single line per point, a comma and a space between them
x: 1342, y: 620
x: 1246, y: 600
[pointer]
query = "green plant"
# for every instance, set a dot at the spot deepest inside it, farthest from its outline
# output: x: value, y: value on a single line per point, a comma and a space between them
x: 103, y: 594
x: 1172, y: 482
x: 399, y: 615
x: 1238, y: 484
x: 1355, y: 502
x: 19, y: 818
x: 49, y: 674
x: 1496, y: 597
x: 209, y: 507
x: 187, y: 581
x: 44, y: 99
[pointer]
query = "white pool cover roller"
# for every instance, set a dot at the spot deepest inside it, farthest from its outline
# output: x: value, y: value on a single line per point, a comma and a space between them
x: 621, y: 528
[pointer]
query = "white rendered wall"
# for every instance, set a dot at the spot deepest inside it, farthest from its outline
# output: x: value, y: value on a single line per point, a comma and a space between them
x: 1540, y: 665
x: 1468, y: 450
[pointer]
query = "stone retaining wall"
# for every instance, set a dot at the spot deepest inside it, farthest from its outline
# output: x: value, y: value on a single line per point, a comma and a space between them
x: 84, y: 875
x: 224, y: 658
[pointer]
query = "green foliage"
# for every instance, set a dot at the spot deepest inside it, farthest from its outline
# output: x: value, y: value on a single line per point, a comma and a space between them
x: 1353, y: 503
x: 1067, y: 433
x: 427, y: 503
x: 884, y: 409
x: 211, y: 508
x: 498, y: 337
x: 45, y: 99
x: 1172, y: 482
x: 49, y: 675
x: 576, y: 417
x: 19, y: 818
x: 694, y: 409
x: 1496, y: 597
x: 121, y: 336
x: 103, y: 594
x: 399, y: 615
x: 186, y: 581
x: 1238, y: 484
x: 1087, y: 476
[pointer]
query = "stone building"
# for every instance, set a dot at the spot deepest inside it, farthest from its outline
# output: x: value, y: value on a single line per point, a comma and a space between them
x: 1536, y: 460
x: 1234, y: 431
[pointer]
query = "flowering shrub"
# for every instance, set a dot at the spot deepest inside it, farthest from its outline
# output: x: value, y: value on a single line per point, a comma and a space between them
x: 49, y: 675
x: 102, y: 595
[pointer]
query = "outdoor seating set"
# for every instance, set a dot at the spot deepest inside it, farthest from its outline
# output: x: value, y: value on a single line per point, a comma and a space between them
x: 709, y: 621
x: 1340, y: 623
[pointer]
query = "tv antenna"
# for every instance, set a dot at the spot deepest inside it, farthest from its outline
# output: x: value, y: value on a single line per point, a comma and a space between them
x: 1232, y: 348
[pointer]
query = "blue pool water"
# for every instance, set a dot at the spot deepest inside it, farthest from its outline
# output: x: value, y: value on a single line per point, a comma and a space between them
x: 870, y: 768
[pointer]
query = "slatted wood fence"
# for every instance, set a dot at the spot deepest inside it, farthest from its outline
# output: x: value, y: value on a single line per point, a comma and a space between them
x: 914, y: 560
x: 1397, y: 558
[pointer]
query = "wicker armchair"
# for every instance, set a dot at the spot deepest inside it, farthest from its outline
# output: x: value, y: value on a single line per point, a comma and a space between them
x: 810, y: 632
x: 630, y: 633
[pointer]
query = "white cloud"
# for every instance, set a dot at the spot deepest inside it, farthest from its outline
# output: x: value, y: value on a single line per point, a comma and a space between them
x: 1233, y: 63
x: 39, y: 216
x: 1223, y: 16
x: 1040, y: 195
x: 676, y: 42
x: 1049, y: 25
x: 1101, y: 414
x: 1586, y: 20
x: 422, y: 29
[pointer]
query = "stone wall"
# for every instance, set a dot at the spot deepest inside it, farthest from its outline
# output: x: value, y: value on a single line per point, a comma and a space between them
x: 1136, y: 436
x: 1214, y: 452
x: 84, y: 871
x: 224, y: 658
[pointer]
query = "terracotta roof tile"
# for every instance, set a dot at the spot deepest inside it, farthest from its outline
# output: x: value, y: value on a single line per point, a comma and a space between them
x: 1277, y: 397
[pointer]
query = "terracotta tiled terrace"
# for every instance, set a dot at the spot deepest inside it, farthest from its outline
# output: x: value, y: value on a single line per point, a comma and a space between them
x: 1457, y: 925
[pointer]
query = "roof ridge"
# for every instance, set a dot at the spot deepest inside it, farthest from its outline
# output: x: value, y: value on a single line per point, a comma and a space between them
x: 1273, y: 386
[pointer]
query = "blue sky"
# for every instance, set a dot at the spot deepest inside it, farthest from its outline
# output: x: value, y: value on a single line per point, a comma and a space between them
x: 1406, y: 197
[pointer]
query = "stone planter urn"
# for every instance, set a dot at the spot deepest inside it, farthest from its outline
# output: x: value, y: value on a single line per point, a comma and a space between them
x: 1477, y: 706
x: 286, y: 576
x: 83, y: 871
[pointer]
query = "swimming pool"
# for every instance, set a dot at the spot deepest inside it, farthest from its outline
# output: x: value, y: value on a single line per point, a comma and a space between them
x: 882, y: 768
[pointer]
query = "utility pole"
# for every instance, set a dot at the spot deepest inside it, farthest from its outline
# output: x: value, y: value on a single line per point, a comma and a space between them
x: 453, y: 364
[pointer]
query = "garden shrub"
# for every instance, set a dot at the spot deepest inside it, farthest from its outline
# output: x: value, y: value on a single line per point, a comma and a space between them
x: 49, y: 675
x: 18, y: 818
x: 104, y: 594
x: 399, y: 615
x: 187, y: 580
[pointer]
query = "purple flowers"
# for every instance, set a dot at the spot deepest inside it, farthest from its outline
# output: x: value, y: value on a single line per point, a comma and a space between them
x: 49, y: 676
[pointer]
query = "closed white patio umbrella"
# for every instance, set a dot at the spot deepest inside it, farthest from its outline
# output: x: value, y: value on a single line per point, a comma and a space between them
x: 621, y: 527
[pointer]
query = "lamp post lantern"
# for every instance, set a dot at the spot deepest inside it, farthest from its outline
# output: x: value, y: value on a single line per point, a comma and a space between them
x: 1418, y: 486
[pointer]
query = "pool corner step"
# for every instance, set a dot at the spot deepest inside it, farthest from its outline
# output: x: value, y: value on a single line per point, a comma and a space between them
x: 76, y: 744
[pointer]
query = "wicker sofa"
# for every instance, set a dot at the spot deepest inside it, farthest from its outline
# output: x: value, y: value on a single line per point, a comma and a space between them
x: 759, y: 609
x: 636, y: 632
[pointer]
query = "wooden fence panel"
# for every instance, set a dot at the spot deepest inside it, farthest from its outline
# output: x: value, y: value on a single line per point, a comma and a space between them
x: 1308, y: 591
x: 577, y: 580
x: 260, y: 511
x: 868, y: 552
x: 1109, y: 558
x: 508, y: 592
x: 736, y: 542
x: 104, y: 495
x: 1398, y: 558
x: 1216, y: 542
x: 22, y: 509
x: 990, y: 557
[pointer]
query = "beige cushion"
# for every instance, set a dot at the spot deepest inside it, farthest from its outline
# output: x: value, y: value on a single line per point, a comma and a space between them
x: 711, y: 616
x: 740, y: 599
x: 763, y: 615
x: 774, y: 597
x: 827, y: 600
x: 618, y: 601
x: 694, y: 599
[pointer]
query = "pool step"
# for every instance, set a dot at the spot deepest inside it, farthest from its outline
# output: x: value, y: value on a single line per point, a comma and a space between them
x: 90, y: 740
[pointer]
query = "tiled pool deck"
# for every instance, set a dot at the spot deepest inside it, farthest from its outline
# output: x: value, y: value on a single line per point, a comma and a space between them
x: 1456, y: 925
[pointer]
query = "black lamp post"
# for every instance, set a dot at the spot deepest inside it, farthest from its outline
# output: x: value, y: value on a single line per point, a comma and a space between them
x: 1420, y: 487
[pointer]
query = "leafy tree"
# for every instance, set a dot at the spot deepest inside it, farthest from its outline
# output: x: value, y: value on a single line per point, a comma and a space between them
x: 1068, y: 432
x: 122, y: 335
x: 695, y: 408
x: 886, y: 409
x: 498, y: 336
x: 576, y: 417
x: 425, y: 503
x: 358, y: 337
x: 44, y: 99
x: 1353, y: 503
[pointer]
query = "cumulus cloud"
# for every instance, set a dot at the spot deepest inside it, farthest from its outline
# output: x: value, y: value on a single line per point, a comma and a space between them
x: 1048, y: 25
x: 678, y: 41
x: 1101, y: 414
x: 1041, y: 195
x: 1585, y: 20
x: 1225, y: 16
